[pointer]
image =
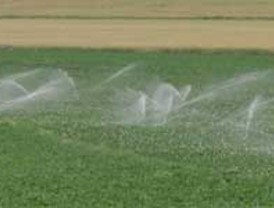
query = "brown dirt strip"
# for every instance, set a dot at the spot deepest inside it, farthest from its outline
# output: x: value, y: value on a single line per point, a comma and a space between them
x: 138, y: 34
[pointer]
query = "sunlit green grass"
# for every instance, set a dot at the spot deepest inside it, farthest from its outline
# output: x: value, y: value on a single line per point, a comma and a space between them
x: 60, y: 159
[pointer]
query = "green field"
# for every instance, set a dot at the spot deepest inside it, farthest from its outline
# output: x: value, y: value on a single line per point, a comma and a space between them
x: 64, y: 160
x: 215, y: 150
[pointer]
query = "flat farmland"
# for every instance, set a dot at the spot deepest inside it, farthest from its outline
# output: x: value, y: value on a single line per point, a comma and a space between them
x: 146, y: 128
x: 131, y: 8
x: 138, y: 34
x: 64, y: 158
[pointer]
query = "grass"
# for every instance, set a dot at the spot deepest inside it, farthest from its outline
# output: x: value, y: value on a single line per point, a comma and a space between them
x: 62, y: 160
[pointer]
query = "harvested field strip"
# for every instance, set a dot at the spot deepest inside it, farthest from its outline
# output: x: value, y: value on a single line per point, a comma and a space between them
x: 116, y: 17
x: 152, y: 8
x: 138, y: 34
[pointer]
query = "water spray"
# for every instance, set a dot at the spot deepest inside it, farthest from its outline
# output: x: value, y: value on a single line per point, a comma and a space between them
x: 24, y: 90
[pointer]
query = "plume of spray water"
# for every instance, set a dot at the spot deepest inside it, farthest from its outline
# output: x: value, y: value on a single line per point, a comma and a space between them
x: 149, y: 107
x: 220, y: 109
x: 216, y: 90
x: 115, y: 76
x: 223, y: 109
x: 251, y: 113
x: 101, y: 97
x: 166, y: 102
x: 36, y: 89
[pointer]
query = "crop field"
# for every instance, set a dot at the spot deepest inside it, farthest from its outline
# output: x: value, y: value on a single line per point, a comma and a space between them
x: 66, y: 158
x: 122, y: 103
x: 127, y: 24
x: 130, y: 8
x: 138, y: 34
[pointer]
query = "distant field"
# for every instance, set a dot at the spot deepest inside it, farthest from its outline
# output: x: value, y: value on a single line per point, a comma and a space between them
x: 138, y: 34
x: 159, y: 32
x: 132, y: 8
